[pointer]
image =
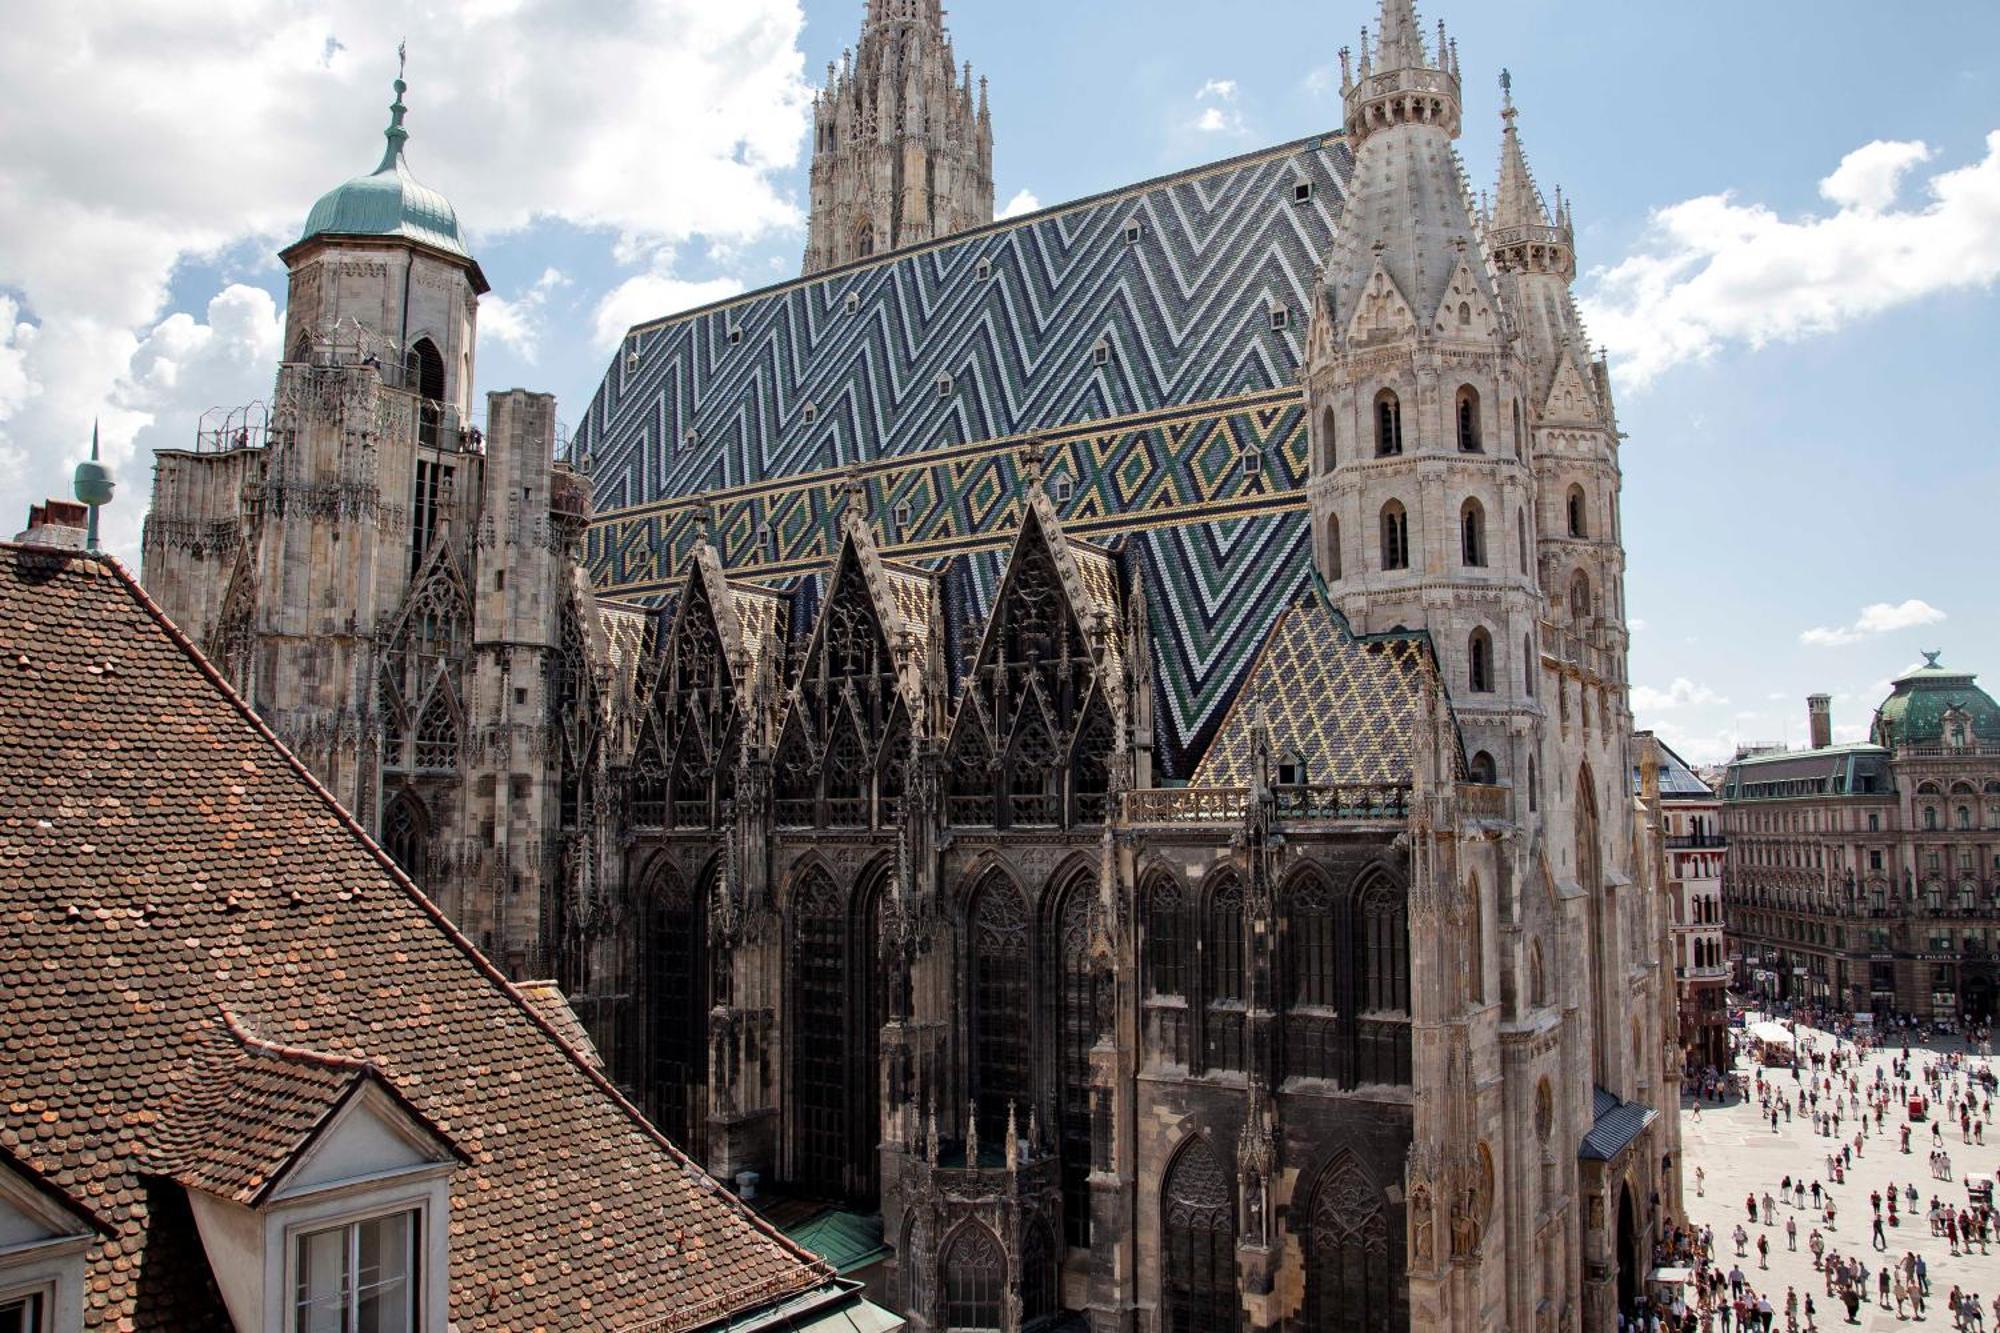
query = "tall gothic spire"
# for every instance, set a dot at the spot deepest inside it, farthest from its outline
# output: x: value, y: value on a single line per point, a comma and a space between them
x: 1522, y: 234
x: 1401, y: 81
x: 902, y: 149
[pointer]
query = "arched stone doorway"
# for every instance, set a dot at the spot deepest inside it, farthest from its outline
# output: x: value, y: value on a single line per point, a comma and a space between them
x: 1629, y: 1258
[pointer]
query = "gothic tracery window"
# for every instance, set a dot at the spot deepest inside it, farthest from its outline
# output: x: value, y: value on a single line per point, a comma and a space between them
x: 975, y: 1278
x: 1468, y: 420
x: 1222, y: 950
x: 1388, y: 424
x: 1312, y: 933
x: 846, y: 708
x: 1395, y: 536
x: 1166, y: 968
x: 1198, y: 1231
x: 1076, y: 1028
x: 1002, y: 1017
x: 1382, y: 922
x: 1353, y: 1271
x: 1472, y: 534
x: 819, y: 1062
x: 437, y: 733
x: 406, y: 831
x: 674, y: 974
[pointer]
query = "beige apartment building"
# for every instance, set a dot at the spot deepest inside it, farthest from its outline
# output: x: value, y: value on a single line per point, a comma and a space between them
x: 1867, y: 876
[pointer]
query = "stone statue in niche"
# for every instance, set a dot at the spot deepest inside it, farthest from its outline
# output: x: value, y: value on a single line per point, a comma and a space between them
x: 1424, y: 1244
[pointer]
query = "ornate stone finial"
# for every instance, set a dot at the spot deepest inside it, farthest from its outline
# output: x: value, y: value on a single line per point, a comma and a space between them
x: 705, y: 521
x: 1507, y: 93
x: 931, y: 1134
x: 1013, y: 1143
x: 1930, y: 658
x: 1034, y: 1131
x: 1031, y: 457
x: 854, y: 499
x: 971, y: 1137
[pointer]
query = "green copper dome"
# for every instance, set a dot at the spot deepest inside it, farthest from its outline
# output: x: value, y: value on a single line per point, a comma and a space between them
x: 389, y: 201
x: 1914, y: 714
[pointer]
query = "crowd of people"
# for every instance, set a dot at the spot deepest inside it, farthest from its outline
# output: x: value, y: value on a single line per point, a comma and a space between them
x: 1831, y: 1085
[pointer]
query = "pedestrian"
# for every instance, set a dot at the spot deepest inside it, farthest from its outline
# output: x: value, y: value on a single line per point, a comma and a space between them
x: 1700, y: 1178
x: 1763, y: 1250
x: 1791, y: 1233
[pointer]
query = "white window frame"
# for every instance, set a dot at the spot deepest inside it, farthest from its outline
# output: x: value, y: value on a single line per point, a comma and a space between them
x: 1061, y: 488
x: 46, y: 1319
x: 944, y: 386
x: 350, y: 1224
x: 1302, y: 192
x: 425, y: 1192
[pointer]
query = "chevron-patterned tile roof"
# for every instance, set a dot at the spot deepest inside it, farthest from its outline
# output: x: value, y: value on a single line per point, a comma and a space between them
x: 1150, y: 337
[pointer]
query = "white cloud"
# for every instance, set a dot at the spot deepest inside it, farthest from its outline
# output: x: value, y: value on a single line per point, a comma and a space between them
x: 518, y: 322
x: 1636, y: 624
x: 1024, y: 201
x: 650, y: 295
x: 173, y: 134
x: 1220, y: 116
x: 1683, y: 693
x: 1715, y: 272
x: 1878, y: 618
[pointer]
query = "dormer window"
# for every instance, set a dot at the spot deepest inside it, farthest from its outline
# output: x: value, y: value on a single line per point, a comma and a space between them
x: 359, y: 1275
x: 983, y: 270
x: 809, y: 413
x: 338, y: 1221
x: 853, y: 303
x: 1302, y: 192
x: 735, y: 336
x: 1133, y: 231
x: 1281, y: 318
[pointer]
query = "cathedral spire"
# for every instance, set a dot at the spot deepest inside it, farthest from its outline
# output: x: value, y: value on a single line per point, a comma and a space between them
x: 1401, y: 81
x: 1521, y: 233
x: 902, y: 148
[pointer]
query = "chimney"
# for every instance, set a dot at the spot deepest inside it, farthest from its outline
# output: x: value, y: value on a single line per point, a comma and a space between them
x: 58, y: 523
x: 1819, y: 717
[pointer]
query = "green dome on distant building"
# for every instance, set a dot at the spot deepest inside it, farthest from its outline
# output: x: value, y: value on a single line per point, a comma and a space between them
x: 1915, y: 713
x: 388, y: 201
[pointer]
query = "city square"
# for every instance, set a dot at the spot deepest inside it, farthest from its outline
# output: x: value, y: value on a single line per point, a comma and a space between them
x: 1740, y: 1156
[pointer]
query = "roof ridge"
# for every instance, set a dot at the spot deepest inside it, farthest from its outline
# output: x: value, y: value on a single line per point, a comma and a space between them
x: 697, y: 1175
x: 252, y: 1043
x: 1323, y: 139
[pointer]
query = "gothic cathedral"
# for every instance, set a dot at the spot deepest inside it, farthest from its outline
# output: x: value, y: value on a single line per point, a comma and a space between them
x: 1125, y: 781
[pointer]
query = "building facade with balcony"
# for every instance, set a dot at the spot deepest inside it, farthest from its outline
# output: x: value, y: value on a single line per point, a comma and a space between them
x: 1867, y: 877
x: 1693, y: 848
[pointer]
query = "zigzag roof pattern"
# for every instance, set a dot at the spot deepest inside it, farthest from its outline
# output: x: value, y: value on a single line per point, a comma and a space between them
x: 923, y: 371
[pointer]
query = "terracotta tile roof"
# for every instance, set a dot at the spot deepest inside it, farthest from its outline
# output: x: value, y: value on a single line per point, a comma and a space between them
x: 162, y: 856
x: 1349, y: 705
x: 546, y: 998
x: 243, y: 1110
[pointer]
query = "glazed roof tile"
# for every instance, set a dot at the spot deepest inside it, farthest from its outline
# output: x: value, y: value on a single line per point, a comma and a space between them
x: 162, y: 855
x: 1348, y: 705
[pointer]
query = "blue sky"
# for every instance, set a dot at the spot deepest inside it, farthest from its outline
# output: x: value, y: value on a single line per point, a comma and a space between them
x: 1804, y: 362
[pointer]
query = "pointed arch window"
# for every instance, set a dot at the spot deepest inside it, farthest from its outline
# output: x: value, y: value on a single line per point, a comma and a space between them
x: 1580, y: 602
x: 1076, y: 1029
x: 1333, y: 548
x: 1479, y: 663
x: 674, y: 975
x: 1382, y: 925
x: 975, y: 1278
x: 437, y: 734
x: 1481, y: 769
x: 1165, y: 959
x: 1388, y: 424
x: 1039, y: 1274
x: 1222, y: 947
x: 819, y: 1058
x: 1001, y: 1015
x: 1353, y: 1272
x: 406, y: 834
x: 1329, y: 453
x: 423, y: 375
x: 1395, y: 536
x: 1472, y: 534
x: 1468, y: 420
x: 1578, y: 526
x: 1521, y: 536
x: 1198, y: 1231
x: 1528, y: 665
x: 1520, y: 432
x: 1312, y: 933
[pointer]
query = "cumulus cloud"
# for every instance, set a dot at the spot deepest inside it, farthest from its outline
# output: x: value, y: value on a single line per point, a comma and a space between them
x: 650, y: 295
x: 1024, y: 201
x: 1219, y: 114
x: 1878, y: 618
x: 176, y: 134
x: 1715, y: 272
x: 1683, y: 693
x: 517, y: 321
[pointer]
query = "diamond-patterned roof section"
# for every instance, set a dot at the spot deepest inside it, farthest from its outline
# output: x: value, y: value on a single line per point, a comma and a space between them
x: 162, y: 857
x: 1348, y: 705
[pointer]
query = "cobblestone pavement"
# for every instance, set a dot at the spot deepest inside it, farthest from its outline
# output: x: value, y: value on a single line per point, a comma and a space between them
x: 1739, y: 1153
